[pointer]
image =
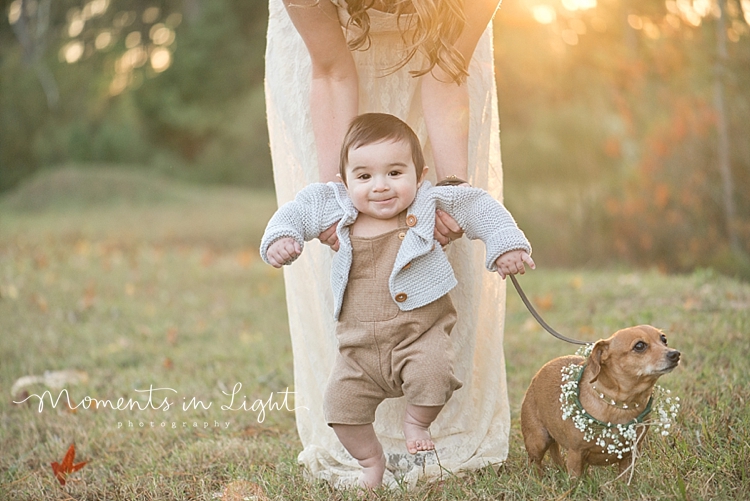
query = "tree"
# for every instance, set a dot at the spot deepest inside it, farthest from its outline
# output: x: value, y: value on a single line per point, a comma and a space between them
x: 159, y: 83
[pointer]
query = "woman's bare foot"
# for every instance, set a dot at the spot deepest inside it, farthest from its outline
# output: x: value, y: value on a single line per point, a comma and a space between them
x: 417, y: 421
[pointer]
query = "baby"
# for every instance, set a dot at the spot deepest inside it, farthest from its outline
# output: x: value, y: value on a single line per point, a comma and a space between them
x: 390, y: 280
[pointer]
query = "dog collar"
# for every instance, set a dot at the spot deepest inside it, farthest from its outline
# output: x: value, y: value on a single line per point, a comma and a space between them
x: 577, y: 401
x: 615, y: 440
x: 614, y: 403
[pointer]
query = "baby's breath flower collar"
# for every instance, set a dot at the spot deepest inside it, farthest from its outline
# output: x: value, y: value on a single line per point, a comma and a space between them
x: 615, y: 439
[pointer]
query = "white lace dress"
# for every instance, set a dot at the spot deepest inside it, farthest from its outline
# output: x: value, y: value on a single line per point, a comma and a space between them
x: 472, y: 430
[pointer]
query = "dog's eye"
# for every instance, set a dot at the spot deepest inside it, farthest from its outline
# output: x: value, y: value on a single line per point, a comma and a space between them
x: 664, y: 339
x: 640, y: 346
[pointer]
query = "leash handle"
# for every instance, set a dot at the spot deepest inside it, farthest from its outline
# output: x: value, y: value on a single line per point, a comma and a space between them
x: 539, y: 318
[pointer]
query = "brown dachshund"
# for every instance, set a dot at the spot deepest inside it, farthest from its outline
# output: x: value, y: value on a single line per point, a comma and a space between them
x: 616, y: 386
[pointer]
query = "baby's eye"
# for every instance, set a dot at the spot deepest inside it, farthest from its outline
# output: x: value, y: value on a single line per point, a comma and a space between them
x: 395, y: 173
x: 363, y: 177
x: 640, y: 346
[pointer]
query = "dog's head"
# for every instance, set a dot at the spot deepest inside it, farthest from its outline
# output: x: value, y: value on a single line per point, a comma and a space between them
x: 634, y: 354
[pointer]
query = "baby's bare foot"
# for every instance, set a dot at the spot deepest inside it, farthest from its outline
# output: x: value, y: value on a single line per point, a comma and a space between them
x: 417, y: 436
x: 372, y: 471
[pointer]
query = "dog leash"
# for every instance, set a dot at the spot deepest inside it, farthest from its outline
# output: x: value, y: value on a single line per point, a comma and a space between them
x: 539, y: 318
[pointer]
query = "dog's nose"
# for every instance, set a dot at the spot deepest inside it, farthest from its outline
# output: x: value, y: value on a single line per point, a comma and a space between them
x: 673, y: 356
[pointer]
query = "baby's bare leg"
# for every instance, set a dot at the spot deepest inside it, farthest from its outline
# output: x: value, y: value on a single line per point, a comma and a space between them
x: 363, y: 445
x: 417, y: 423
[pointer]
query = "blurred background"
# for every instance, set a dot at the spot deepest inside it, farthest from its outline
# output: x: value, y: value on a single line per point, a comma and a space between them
x: 624, y: 124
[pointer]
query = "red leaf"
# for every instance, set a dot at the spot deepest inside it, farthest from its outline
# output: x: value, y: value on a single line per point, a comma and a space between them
x: 61, y: 471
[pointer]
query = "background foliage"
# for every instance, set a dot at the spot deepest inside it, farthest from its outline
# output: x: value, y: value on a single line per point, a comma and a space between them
x: 611, y: 124
x: 202, y: 117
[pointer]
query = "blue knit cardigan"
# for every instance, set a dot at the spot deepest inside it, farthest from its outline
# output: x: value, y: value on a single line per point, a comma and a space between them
x: 318, y: 206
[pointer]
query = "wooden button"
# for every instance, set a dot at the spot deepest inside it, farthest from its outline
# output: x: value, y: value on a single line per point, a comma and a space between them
x: 401, y: 235
x: 400, y: 297
x: 411, y: 220
x: 407, y: 266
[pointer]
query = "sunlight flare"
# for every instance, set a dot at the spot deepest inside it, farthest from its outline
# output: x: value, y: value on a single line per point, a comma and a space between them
x: 72, y: 52
x: 573, y: 5
x: 76, y: 27
x: 545, y: 14
x: 161, y: 59
x: 103, y: 40
x: 14, y: 12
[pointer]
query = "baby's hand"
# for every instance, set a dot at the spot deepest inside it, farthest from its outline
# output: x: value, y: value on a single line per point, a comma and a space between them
x: 512, y: 262
x: 283, y: 251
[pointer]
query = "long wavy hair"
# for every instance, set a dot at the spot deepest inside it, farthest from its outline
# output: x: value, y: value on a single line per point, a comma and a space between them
x: 436, y: 26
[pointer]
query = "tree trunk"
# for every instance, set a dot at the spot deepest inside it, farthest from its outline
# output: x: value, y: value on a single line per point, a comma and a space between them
x: 32, y: 29
x: 722, y: 130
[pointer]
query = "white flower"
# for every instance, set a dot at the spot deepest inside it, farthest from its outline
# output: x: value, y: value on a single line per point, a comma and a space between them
x: 618, y: 439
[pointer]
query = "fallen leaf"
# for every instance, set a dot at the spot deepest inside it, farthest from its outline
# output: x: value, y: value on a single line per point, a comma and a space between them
x: 41, y: 302
x: 544, y: 303
x: 172, y: 335
x: 82, y: 248
x: 242, y: 490
x: 246, y: 257
x: 208, y: 258
x: 41, y: 261
x: 692, y: 303
x: 22, y: 398
x: 71, y: 408
x: 89, y: 296
x: 576, y: 282
x: 62, y: 470
x: 586, y: 329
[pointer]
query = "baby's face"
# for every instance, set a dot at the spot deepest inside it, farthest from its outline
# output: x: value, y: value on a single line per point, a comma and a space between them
x: 381, y: 178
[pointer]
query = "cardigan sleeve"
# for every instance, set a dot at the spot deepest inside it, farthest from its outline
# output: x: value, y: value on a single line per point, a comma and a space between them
x: 312, y: 211
x: 484, y: 218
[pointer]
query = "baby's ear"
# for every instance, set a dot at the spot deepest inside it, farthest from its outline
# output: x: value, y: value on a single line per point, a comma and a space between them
x: 423, y: 176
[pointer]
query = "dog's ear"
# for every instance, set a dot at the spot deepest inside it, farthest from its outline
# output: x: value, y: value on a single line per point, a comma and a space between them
x: 597, y: 358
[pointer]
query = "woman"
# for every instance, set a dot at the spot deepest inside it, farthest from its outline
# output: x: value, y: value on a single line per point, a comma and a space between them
x: 315, y: 84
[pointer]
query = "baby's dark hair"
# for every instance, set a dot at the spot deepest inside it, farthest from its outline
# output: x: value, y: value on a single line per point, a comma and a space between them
x: 370, y: 128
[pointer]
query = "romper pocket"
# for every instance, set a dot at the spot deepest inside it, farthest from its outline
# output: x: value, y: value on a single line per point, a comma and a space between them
x: 373, y: 304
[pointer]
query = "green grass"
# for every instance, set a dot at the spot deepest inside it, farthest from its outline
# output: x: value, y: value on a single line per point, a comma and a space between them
x: 160, y: 284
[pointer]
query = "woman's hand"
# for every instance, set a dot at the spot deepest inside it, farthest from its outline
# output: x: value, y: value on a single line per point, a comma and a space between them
x: 330, y: 238
x: 446, y: 228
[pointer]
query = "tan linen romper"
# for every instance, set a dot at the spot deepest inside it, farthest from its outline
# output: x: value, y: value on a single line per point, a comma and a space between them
x: 385, y: 352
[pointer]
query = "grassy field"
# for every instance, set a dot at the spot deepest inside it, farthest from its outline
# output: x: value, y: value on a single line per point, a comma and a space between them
x: 130, y: 283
